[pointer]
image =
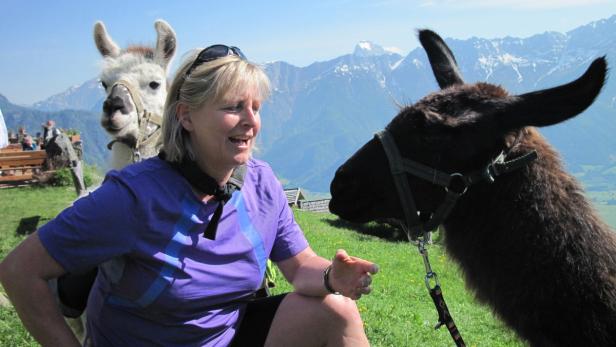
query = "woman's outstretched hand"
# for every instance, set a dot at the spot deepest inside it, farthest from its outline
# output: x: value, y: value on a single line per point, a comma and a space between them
x: 351, y: 276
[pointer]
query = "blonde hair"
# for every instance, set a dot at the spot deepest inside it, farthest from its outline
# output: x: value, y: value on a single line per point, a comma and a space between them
x: 210, y: 82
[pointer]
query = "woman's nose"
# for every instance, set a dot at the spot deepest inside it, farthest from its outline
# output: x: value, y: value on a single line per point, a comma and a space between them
x: 250, y: 117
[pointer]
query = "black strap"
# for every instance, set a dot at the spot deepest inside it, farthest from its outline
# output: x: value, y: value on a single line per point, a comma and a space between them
x: 442, y: 211
x: 455, y: 184
x: 206, y: 184
x: 444, y: 317
x: 222, y: 195
x: 399, y: 176
x: 500, y: 167
x: 129, y: 141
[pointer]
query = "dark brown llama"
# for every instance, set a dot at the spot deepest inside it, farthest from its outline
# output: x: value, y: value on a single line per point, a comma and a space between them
x: 529, y: 243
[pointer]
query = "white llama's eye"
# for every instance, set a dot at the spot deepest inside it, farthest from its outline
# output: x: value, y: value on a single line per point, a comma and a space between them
x: 154, y: 85
x: 104, y: 85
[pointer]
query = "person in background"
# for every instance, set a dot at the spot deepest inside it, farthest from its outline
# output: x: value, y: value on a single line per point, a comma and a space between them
x: 183, y: 238
x: 49, y: 131
x: 12, y: 138
x: 38, y: 139
x: 21, y: 134
x: 28, y: 144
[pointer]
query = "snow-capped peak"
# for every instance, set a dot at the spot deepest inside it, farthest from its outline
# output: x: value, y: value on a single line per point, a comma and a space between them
x: 368, y: 49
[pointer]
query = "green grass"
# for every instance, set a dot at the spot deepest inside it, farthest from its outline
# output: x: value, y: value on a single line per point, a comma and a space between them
x: 399, y: 312
x: 16, y: 204
x: 26, y: 202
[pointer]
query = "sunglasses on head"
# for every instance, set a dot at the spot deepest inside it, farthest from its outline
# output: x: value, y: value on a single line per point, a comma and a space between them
x: 212, y: 53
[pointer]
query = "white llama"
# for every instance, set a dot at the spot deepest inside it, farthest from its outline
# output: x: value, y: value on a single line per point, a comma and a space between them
x: 135, y: 80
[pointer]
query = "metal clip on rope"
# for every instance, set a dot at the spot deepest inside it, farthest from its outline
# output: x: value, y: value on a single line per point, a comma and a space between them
x: 430, y: 275
x: 444, y: 317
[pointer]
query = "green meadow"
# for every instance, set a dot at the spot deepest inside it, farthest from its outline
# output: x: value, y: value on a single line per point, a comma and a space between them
x: 399, y: 312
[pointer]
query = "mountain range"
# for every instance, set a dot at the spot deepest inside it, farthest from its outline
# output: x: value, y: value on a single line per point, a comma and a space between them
x: 318, y: 115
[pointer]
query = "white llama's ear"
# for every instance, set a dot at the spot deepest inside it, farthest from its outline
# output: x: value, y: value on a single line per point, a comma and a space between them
x: 104, y: 43
x: 165, y: 43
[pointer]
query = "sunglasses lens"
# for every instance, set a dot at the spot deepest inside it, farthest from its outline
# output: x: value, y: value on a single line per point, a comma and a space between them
x: 238, y: 52
x: 213, y: 52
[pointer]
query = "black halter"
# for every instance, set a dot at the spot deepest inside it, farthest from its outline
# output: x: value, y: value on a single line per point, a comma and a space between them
x: 455, y: 184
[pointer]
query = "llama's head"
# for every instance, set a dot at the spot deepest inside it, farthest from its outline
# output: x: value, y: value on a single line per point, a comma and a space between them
x: 135, y: 79
x: 458, y: 129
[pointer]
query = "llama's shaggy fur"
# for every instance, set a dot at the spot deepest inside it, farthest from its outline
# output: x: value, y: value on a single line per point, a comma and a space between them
x: 530, y: 244
x: 144, y: 69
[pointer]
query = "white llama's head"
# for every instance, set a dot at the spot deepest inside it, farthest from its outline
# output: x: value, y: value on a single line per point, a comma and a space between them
x: 135, y: 79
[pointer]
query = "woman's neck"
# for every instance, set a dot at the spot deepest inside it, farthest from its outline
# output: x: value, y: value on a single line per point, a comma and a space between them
x: 220, y: 175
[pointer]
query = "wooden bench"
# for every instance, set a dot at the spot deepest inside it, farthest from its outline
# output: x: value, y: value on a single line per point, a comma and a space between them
x: 16, y: 166
x: 13, y: 147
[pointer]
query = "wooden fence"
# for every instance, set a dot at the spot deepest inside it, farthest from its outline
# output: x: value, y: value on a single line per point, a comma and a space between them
x: 321, y: 205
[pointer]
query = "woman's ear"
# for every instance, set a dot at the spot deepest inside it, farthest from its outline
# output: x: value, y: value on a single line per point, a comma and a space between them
x: 183, y: 114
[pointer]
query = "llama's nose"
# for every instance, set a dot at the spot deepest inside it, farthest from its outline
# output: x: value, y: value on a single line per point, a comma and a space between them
x: 117, y: 100
x: 342, y: 184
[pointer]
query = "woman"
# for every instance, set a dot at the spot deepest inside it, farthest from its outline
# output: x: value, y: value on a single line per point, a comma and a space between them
x: 184, y: 237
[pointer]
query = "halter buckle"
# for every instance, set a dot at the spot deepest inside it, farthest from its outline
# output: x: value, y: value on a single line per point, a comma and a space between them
x: 457, y: 184
x: 488, y: 173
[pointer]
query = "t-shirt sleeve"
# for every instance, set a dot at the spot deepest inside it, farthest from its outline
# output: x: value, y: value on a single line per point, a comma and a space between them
x: 290, y: 239
x: 95, y: 228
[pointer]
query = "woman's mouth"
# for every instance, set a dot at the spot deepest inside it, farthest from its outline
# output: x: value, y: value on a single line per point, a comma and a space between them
x: 240, y: 141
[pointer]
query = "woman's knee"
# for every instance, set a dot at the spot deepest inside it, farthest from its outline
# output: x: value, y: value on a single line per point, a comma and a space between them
x: 334, y: 309
x: 342, y: 309
x: 332, y: 320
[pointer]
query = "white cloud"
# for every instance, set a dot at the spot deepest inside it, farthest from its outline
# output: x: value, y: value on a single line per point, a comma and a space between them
x: 518, y: 4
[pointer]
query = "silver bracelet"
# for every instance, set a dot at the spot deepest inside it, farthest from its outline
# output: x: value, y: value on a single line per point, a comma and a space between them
x: 326, y: 283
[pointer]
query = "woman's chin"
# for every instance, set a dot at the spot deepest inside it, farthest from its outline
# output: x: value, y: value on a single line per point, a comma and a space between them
x: 241, y: 159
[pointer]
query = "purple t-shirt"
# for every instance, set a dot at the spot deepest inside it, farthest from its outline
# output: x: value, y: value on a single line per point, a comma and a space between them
x: 162, y: 280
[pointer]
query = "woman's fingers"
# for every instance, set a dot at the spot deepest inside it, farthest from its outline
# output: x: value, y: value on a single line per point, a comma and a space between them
x: 365, y: 280
x: 355, y: 272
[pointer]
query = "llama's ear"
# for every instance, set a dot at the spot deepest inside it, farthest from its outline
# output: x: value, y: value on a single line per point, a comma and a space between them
x: 554, y: 105
x: 104, y: 43
x: 441, y: 59
x: 165, y: 43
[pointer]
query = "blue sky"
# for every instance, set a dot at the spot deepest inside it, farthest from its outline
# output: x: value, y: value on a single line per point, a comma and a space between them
x: 47, y: 45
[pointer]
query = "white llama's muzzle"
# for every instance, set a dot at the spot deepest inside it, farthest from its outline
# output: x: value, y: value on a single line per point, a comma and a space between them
x: 121, y: 109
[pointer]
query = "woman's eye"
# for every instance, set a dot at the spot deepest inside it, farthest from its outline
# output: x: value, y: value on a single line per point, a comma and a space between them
x: 154, y: 85
x: 235, y: 108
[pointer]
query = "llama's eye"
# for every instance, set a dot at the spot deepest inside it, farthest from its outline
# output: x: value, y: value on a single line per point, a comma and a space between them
x: 154, y: 85
x: 104, y: 85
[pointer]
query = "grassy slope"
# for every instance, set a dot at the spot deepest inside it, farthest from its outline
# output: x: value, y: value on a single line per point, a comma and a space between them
x: 16, y: 204
x: 399, y: 312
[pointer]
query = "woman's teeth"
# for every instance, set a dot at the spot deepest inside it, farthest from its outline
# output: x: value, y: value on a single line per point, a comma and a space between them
x: 238, y: 141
